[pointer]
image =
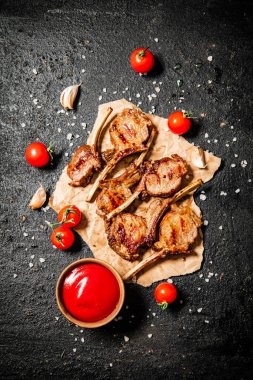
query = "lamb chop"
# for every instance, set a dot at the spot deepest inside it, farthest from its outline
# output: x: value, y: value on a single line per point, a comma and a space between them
x: 177, y: 231
x: 128, y: 233
x: 86, y: 159
x: 129, y: 134
x: 160, y: 178
x: 116, y: 191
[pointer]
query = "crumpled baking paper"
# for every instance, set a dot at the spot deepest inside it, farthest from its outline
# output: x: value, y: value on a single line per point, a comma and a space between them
x: 92, y: 229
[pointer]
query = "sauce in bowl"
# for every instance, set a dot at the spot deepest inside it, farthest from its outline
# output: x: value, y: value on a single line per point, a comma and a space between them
x: 90, y: 292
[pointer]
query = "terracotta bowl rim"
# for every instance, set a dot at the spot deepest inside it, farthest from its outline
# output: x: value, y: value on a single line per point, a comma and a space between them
x: 65, y: 312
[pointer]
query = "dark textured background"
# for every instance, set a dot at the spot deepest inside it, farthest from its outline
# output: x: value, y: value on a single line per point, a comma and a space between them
x: 51, y: 37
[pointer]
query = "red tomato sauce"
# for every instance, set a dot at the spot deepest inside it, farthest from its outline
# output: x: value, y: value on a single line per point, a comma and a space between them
x: 90, y: 292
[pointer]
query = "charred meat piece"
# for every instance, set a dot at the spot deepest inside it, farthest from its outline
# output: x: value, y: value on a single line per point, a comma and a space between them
x: 135, y: 124
x: 128, y: 233
x: 160, y: 178
x: 84, y: 161
x: 129, y: 129
x: 178, y: 230
x: 164, y: 177
x: 116, y: 190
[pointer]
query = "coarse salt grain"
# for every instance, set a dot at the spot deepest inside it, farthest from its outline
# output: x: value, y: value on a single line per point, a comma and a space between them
x: 210, y: 58
x: 156, y: 39
x: 234, y: 139
x: 157, y: 89
x: 202, y: 197
x: 205, y: 222
x: 223, y: 193
x: 104, y: 89
x: 100, y: 97
x: 220, y: 228
x: 83, y: 70
x: 22, y: 125
x: 138, y: 95
x: 237, y: 191
x: 201, y: 275
x: 74, y: 349
x: 35, y: 101
x: 82, y: 340
x: 42, y: 260
x: 227, y: 145
x: 110, y: 364
x: 66, y: 154
x: 15, y: 275
x: 170, y: 281
x: 236, y: 155
x: 25, y: 234
x: 206, y: 135
x: 32, y: 256
x: 69, y: 136
x: 30, y: 265
x: 206, y: 321
x: 150, y: 336
x: 206, y: 279
x: 233, y: 165
x: 83, y: 56
x: 126, y: 339
x: 199, y: 310
x: 244, y: 163
x: 35, y: 71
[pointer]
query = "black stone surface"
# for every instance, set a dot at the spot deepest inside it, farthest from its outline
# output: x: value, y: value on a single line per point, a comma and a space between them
x: 51, y: 37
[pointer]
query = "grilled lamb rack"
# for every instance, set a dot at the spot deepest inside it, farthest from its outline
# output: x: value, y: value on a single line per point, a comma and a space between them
x: 177, y: 231
x: 129, y: 134
x: 86, y: 159
x: 116, y: 191
x: 161, y: 178
x: 128, y: 233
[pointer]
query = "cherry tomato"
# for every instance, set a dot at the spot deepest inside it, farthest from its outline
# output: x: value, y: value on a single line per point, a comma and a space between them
x: 165, y: 293
x: 142, y: 60
x: 70, y: 216
x: 62, y: 238
x: 179, y: 123
x: 37, y: 154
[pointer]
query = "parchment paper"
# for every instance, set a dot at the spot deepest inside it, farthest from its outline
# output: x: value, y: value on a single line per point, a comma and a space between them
x: 92, y: 227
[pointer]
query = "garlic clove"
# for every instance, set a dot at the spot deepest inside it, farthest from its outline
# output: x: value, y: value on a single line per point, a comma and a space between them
x: 68, y: 96
x: 197, y: 157
x: 38, y: 199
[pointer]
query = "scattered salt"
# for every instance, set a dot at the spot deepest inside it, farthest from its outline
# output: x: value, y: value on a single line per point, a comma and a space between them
x: 110, y: 364
x: 234, y: 139
x: 15, y: 275
x: 22, y: 125
x: 206, y: 135
x: 69, y: 136
x: 244, y: 163
x: 138, y: 95
x: 150, y: 336
x: 82, y: 340
x: 170, y: 281
x: 223, y: 193
x: 199, y: 310
x: 126, y: 339
x: 210, y: 58
x: 35, y: 71
x: 83, y: 56
x: 236, y: 155
x: 42, y: 260
x: 25, y: 234
x: 59, y: 129
x: 233, y: 165
x: 100, y: 97
x: 157, y: 89
x: 104, y: 89
x: 66, y: 154
x: 30, y: 265
x: 83, y: 70
x: 156, y: 39
x: 74, y: 349
x: 35, y: 101
x: 206, y: 279
x: 206, y: 321
x: 220, y: 228
x: 205, y: 222
x: 202, y: 197
x: 237, y: 191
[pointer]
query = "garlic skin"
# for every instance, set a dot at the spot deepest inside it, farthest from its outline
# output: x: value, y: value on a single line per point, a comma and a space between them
x: 68, y: 96
x: 38, y: 199
x: 198, y: 157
